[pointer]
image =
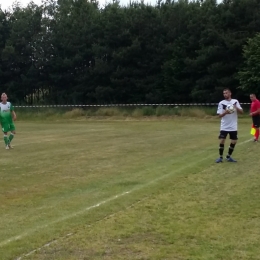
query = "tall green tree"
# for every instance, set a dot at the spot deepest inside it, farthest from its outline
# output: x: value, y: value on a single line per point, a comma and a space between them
x: 72, y: 39
x: 249, y: 75
x: 18, y: 56
x: 75, y: 51
x: 4, y: 35
x: 184, y: 24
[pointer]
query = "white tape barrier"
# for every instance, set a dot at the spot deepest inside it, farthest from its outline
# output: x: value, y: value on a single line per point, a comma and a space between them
x: 128, y: 105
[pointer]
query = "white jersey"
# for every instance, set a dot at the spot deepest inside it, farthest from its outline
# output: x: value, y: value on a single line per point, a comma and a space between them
x: 229, y: 121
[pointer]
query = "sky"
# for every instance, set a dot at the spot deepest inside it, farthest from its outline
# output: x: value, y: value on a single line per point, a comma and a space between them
x: 7, y: 3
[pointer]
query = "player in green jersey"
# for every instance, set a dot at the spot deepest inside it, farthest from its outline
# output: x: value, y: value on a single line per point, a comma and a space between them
x: 7, y: 116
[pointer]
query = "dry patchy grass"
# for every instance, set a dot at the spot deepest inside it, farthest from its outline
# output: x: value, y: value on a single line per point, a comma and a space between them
x: 63, y: 179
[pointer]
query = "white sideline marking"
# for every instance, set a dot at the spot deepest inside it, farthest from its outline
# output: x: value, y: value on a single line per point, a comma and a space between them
x: 244, y: 142
x: 63, y: 218
x: 46, y: 245
x: 5, y: 242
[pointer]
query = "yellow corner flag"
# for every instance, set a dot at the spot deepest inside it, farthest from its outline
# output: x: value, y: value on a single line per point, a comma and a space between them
x: 253, y: 130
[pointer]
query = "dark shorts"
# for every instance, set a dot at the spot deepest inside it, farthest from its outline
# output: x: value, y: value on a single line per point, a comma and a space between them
x: 232, y: 135
x: 256, y: 121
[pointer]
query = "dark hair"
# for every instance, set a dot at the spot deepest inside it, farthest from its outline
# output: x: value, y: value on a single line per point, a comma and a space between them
x: 252, y: 94
x: 226, y: 89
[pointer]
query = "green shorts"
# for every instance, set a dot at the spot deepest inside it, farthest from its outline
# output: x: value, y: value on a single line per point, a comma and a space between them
x: 7, y: 127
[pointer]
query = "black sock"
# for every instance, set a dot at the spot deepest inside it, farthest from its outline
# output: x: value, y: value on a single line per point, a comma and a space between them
x: 230, y: 150
x: 221, y: 150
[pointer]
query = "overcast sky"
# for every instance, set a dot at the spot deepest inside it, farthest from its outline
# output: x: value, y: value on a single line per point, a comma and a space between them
x: 6, y: 3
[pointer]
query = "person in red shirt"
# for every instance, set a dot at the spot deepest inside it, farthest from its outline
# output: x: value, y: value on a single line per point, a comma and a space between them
x: 255, y: 113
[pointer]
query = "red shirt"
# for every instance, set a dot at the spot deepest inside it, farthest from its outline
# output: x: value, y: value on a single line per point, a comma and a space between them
x: 255, y: 105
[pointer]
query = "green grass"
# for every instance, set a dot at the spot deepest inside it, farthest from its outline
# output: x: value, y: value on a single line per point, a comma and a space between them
x: 128, y: 190
x: 113, y: 112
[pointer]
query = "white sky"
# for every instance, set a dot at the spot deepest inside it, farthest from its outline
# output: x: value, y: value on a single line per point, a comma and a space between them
x: 7, y: 3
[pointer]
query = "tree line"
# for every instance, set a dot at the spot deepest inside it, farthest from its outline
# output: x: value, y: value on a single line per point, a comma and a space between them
x: 77, y: 52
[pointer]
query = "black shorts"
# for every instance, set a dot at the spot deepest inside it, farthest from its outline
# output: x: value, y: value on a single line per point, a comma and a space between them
x: 256, y: 121
x: 232, y: 135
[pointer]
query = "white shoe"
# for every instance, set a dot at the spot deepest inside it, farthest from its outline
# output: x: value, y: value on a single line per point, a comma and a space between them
x: 10, y: 146
x: 7, y: 147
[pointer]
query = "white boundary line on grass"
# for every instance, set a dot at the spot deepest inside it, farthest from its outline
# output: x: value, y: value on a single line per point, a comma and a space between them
x: 12, y: 239
x: 244, y: 142
x: 63, y: 218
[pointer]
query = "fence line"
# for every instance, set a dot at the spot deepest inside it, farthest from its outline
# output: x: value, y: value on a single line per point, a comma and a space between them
x: 128, y: 105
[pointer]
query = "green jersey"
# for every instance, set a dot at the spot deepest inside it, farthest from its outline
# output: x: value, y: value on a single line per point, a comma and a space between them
x: 6, y: 113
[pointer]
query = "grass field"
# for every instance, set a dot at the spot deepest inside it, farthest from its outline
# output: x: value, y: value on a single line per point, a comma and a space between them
x: 128, y: 190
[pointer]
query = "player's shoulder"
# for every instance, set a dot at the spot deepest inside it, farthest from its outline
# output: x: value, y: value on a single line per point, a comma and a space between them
x: 222, y: 102
x: 234, y: 100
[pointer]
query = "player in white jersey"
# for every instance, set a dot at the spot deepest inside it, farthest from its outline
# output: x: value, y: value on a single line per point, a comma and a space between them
x: 228, y: 124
